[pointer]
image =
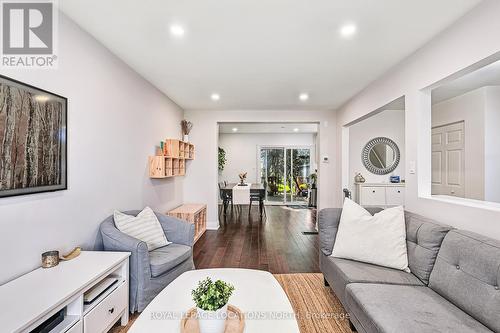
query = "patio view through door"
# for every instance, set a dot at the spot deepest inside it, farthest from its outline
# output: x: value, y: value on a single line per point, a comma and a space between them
x: 285, y: 173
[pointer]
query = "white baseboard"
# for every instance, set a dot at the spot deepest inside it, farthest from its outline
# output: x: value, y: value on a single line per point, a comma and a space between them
x: 212, y: 225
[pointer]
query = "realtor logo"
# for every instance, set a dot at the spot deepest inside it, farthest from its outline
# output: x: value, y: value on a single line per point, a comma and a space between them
x: 28, y: 30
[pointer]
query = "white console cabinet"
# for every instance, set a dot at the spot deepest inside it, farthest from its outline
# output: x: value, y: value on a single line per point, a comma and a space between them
x: 380, y: 194
x: 31, y: 299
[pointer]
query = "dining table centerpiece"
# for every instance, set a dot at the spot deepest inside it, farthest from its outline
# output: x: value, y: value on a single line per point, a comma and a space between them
x: 243, y: 177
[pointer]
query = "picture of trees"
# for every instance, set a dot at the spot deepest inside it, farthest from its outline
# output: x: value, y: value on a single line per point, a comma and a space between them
x: 32, y: 139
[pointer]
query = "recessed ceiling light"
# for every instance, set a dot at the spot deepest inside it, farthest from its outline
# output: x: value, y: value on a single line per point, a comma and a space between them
x: 348, y: 30
x: 177, y: 30
x: 215, y: 97
x: 295, y: 129
x: 304, y: 97
x: 235, y: 129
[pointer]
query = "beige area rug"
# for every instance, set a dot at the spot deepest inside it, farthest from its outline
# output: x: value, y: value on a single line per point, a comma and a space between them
x: 318, y: 310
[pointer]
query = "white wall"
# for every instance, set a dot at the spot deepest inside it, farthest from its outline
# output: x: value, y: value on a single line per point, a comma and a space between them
x: 492, y: 148
x: 115, y: 118
x: 388, y: 123
x: 470, y: 108
x: 480, y: 111
x: 201, y: 183
x: 241, y: 151
x: 470, y: 40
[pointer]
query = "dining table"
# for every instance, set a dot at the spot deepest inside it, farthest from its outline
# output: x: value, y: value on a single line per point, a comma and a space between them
x: 256, y: 189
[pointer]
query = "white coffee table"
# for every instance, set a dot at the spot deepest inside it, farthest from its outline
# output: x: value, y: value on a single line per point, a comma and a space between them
x: 257, y: 294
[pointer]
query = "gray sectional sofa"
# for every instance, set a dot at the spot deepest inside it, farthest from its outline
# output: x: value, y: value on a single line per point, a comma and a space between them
x: 453, y: 287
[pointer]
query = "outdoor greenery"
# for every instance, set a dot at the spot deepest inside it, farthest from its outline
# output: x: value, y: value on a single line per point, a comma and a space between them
x: 222, y: 159
x: 296, y: 176
x: 211, y: 296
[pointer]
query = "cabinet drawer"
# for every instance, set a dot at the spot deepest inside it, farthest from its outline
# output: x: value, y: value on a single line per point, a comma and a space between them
x: 372, y: 196
x: 77, y: 328
x: 395, y: 196
x: 106, y: 312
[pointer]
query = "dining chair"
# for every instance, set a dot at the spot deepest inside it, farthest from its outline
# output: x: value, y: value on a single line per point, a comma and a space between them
x: 256, y: 197
x: 225, y: 196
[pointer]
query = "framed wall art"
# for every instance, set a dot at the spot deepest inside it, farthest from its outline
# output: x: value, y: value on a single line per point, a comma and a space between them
x: 33, y: 133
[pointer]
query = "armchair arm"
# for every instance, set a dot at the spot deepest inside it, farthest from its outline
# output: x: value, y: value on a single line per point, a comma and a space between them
x: 115, y: 240
x: 139, y: 269
x: 177, y: 231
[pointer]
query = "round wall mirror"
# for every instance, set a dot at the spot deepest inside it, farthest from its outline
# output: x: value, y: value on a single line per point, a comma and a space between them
x: 381, y: 156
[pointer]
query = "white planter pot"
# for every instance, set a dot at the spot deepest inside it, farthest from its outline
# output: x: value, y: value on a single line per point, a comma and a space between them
x: 186, y: 138
x: 212, y: 321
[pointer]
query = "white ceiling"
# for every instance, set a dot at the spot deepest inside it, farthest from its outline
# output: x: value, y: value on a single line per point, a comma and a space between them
x: 486, y: 76
x: 261, y: 128
x: 396, y: 105
x: 262, y: 54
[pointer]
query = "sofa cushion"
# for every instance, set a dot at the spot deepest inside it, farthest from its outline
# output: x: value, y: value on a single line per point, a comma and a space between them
x: 378, y: 239
x: 467, y: 273
x: 397, y: 308
x: 328, y: 224
x: 423, y: 240
x: 165, y: 258
x: 340, y: 272
x: 143, y: 226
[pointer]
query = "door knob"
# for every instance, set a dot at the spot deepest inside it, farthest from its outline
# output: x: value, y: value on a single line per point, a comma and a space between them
x: 111, y: 310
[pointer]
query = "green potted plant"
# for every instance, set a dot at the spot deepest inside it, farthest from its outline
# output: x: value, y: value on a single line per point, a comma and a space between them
x: 314, y: 179
x: 211, y: 300
x: 222, y: 159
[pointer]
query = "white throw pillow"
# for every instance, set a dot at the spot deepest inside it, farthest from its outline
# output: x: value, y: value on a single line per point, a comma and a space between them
x: 145, y: 227
x: 379, y: 239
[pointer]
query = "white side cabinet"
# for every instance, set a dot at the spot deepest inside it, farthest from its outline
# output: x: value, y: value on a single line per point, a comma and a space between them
x: 380, y: 194
x: 31, y: 299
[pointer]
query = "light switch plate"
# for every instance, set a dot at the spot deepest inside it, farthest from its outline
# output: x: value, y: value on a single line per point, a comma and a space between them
x: 413, y: 168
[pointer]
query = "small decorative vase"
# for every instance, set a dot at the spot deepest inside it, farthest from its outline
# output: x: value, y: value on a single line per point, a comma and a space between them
x: 186, y: 138
x: 359, y: 178
x: 212, y: 321
x: 50, y: 259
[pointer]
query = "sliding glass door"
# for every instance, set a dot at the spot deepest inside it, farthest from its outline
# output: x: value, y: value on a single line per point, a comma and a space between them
x: 298, y: 171
x: 272, y: 173
x: 285, y: 171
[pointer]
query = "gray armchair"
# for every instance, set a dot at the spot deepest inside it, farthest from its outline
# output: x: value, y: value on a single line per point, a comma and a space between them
x: 152, y: 271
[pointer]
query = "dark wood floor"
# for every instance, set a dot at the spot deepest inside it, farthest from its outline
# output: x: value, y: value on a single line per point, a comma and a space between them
x: 275, y: 243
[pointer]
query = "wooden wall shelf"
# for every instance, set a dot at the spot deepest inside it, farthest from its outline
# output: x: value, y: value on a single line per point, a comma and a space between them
x: 172, y: 162
x: 192, y: 213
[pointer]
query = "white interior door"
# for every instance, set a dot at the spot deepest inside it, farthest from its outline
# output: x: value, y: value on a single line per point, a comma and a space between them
x: 448, y: 160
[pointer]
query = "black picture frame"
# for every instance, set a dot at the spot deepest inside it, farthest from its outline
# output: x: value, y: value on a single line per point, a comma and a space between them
x: 33, y: 139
